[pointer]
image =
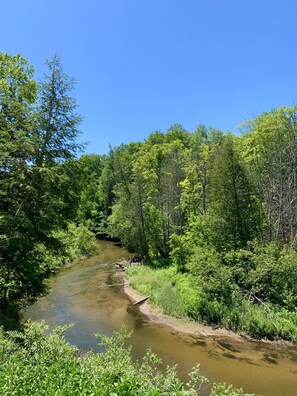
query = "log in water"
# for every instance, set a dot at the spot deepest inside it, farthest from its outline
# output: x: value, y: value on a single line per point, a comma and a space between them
x: 82, y: 294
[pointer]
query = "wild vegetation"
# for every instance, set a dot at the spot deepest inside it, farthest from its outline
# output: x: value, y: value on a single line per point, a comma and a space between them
x: 221, y: 209
x: 213, y: 216
x: 39, y: 180
x: 32, y: 363
x: 213, y: 213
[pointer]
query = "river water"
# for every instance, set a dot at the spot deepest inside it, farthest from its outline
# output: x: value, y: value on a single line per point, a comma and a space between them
x: 89, y: 295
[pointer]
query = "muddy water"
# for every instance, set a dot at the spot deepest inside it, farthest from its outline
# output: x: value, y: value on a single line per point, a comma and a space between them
x: 89, y: 295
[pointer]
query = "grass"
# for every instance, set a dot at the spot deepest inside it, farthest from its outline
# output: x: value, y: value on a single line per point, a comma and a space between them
x: 171, y: 291
x: 181, y: 296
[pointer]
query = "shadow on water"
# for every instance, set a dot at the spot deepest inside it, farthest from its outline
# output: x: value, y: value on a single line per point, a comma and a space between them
x: 227, y: 345
x: 90, y: 296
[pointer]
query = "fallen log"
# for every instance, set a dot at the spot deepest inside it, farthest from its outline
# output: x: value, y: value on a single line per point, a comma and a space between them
x: 141, y: 301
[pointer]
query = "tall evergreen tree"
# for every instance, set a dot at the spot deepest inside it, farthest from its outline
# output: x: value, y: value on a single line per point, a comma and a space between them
x: 37, y: 190
x: 233, y: 216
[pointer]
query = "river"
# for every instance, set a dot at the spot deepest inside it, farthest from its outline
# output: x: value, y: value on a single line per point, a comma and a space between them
x: 89, y: 295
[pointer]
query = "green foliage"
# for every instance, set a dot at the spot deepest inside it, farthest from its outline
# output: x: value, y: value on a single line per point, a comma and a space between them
x: 37, y: 198
x: 147, y: 208
x: 170, y: 290
x: 91, y: 210
x: 269, y: 148
x: 225, y: 390
x: 57, y: 120
x: 221, y: 209
x: 181, y: 247
x: 275, y: 275
x: 125, y: 227
x: 206, y: 265
x: 233, y: 218
x: 267, y: 272
x: 212, y: 298
x: 74, y: 242
x: 77, y: 241
x: 32, y: 363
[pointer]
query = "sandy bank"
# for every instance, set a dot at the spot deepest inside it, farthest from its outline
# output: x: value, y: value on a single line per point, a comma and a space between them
x: 155, y: 314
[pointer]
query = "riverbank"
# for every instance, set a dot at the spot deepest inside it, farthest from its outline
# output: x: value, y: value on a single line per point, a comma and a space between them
x: 155, y: 314
x: 89, y: 294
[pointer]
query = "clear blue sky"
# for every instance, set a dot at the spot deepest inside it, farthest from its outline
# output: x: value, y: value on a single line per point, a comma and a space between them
x: 142, y: 65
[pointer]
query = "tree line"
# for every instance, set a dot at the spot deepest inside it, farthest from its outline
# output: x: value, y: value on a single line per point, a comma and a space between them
x: 46, y: 195
x: 228, y: 190
x: 219, y: 208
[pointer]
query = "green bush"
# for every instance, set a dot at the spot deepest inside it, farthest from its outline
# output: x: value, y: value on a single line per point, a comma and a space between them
x: 32, y: 363
x: 229, y: 290
x: 225, y: 390
x: 189, y: 293
x: 268, y: 271
x: 72, y: 243
x: 76, y: 240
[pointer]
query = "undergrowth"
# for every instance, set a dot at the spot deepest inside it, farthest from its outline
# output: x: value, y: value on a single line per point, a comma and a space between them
x: 185, y: 296
x: 35, y: 364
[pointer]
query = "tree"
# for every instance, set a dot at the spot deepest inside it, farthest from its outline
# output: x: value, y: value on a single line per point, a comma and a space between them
x: 91, y: 205
x: 233, y: 217
x: 270, y: 150
x: 126, y: 219
x: 17, y: 97
x: 37, y: 183
x: 57, y: 127
x: 197, y: 157
x: 148, y: 209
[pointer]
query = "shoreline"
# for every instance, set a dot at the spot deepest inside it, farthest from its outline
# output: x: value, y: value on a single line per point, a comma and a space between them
x: 155, y: 314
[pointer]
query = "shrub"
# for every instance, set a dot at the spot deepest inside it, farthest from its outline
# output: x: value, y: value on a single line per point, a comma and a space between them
x: 32, y: 363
